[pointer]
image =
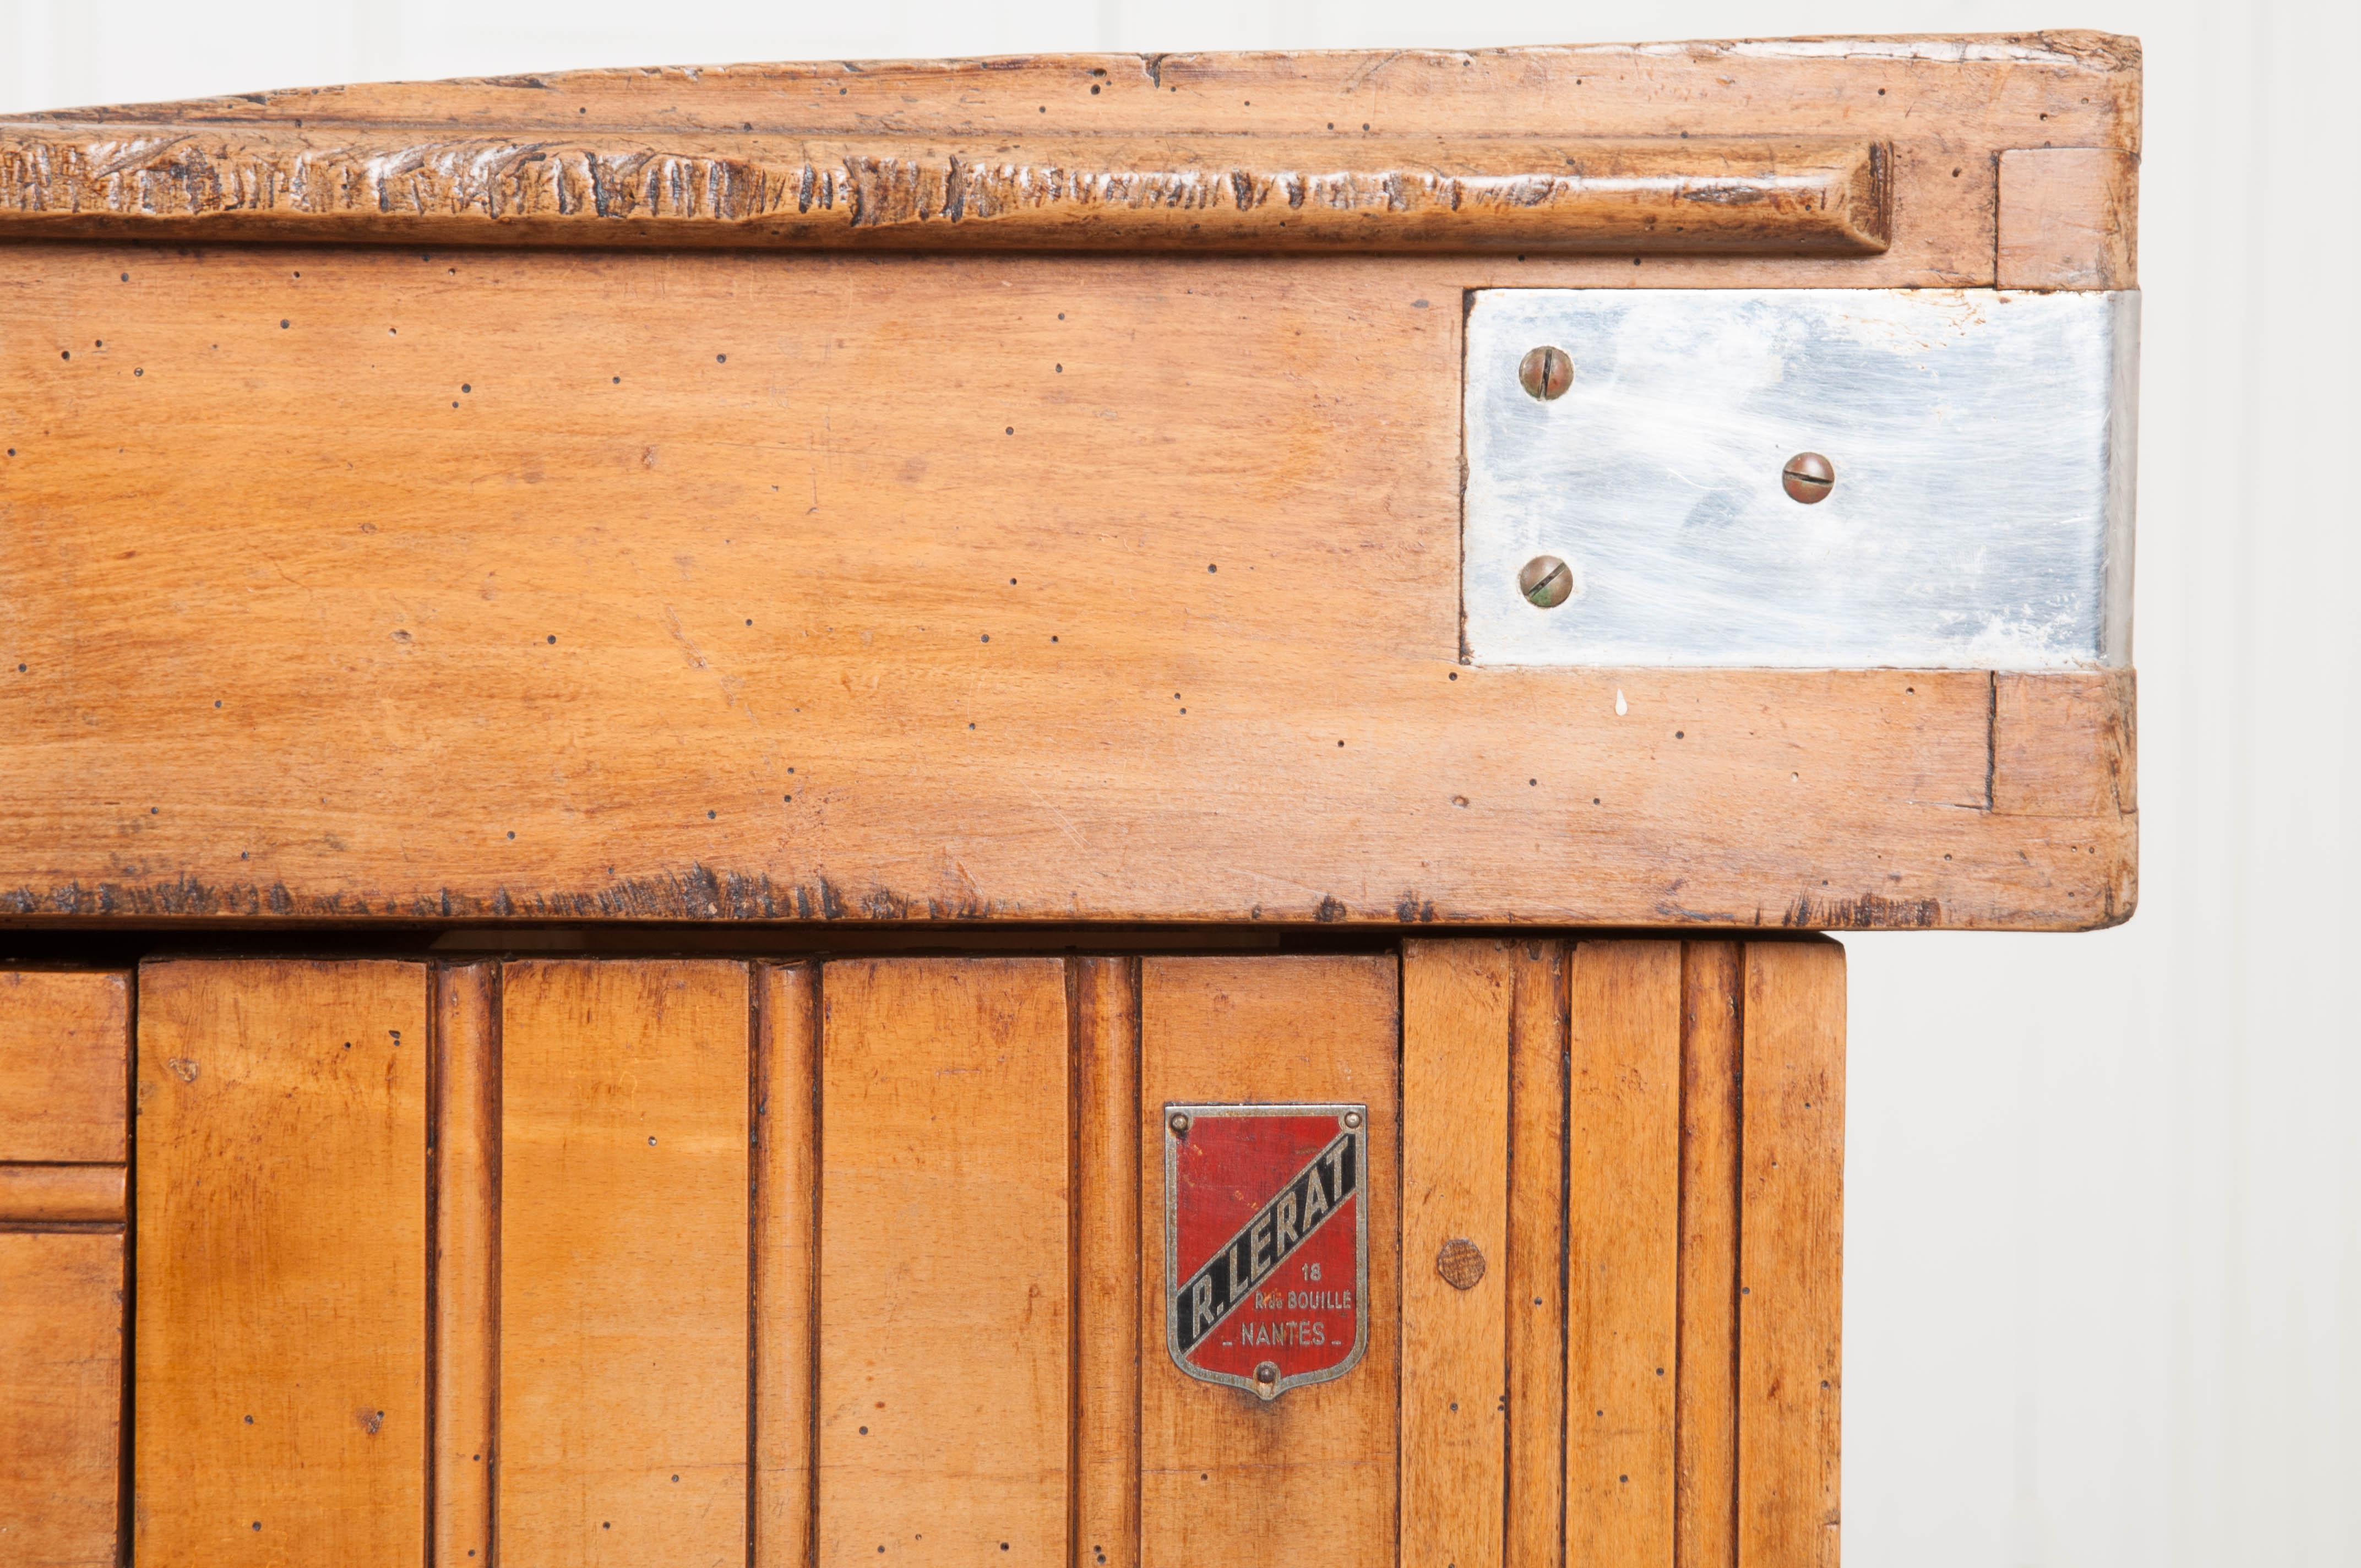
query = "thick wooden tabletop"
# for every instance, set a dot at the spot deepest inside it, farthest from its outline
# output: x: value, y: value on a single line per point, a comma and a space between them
x: 1003, y: 490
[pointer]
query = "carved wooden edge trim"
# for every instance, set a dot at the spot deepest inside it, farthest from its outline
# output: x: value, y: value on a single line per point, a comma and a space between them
x: 39, y: 1195
x: 1663, y: 195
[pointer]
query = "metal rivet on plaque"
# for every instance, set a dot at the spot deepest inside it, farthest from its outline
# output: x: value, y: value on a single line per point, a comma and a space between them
x: 1266, y: 1381
x: 1808, y: 478
x: 1180, y: 1123
x: 1461, y: 1263
x: 1547, y: 582
x: 1545, y: 373
x: 1352, y: 1118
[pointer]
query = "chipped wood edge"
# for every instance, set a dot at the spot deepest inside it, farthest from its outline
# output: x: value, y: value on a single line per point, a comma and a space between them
x: 1662, y: 195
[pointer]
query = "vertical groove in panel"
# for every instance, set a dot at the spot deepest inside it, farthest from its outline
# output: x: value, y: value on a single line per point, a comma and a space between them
x: 1310, y: 1478
x: 281, y: 1252
x: 1458, y: 1002
x: 1706, y: 1436
x: 945, y: 1415
x: 464, y: 1269
x: 785, y: 1070
x: 1535, y: 1288
x: 1623, y: 1251
x: 623, y: 1273
x: 1106, y: 1014
x: 1791, y: 1255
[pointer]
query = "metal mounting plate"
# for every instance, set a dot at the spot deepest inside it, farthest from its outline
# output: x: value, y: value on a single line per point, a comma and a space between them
x: 1982, y: 513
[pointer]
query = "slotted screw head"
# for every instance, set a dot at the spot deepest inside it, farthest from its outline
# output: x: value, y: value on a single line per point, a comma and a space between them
x: 1808, y: 478
x: 1546, y: 581
x: 1545, y: 373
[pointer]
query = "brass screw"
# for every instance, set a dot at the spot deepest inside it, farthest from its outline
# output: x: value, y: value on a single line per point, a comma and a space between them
x: 1808, y: 478
x: 1180, y: 1123
x: 1545, y: 373
x: 1266, y: 1381
x: 1546, y: 581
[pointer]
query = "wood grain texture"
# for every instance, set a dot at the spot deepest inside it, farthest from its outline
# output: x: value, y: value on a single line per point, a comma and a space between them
x: 61, y: 1194
x: 624, y: 1276
x: 1536, y: 1273
x: 667, y: 521
x: 61, y: 1399
x: 282, y: 1249
x: 944, y: 1263
x: 394, y: 185
x: 1307, y: 1480
x: 2030, y: 779
x: 1459, y: 1026
x: 1622, y: 1251
x: 1946, y: 105
x: 1791, y: 1263
x: 2069, y: 218
x: 785, y: 1241
x: 466, y: 1284
x: 1105, y: 1011
x: 65, y: 1064
x: 1705, y: 1447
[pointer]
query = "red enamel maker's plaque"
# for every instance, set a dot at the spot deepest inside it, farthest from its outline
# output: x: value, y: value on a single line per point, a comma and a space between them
x: 1266, y: 1243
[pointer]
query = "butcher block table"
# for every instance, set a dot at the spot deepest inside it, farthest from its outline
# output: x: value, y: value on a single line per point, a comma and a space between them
x: 1075, y: 811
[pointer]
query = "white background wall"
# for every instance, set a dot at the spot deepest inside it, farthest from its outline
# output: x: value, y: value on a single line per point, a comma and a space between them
x: 2104, y: 1264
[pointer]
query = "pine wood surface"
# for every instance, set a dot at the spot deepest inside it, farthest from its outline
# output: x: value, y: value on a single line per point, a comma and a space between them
x: 1107, y: 1315
x: 785, y: 1364
x: 65, y: 1065
x: 1458, y: 1026
x: 624, y: 1269
x: 1623, y: 1138
x: 945, y: 1296
x: 1791, y: 1259
x: 1534, y: 1535
x: 466, y: 1349
x: 1705, y: 1424
x: 282, y: 1244
x: 1309, y: 1478
x: 2069, y: 218
x: 61, y: 1398
x: 588, y: 585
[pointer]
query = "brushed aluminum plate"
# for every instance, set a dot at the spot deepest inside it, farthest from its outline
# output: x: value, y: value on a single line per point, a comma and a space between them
x: 1982, y: 514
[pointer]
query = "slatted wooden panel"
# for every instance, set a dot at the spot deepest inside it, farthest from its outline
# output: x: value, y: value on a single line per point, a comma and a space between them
x: 624, y: 1268
x: 61, y: 1398
x: 65, y: 1041
x: 1705, y: 1456
x: 787, y: 1189
x: 281, y: 1255
x: 1623, y: 1251
x: 1458, y: 1017
x: 944, y: 1263
x: 467, y: 1143
x: 1309, y: 1478
x: 1790, y: 1304
x: 1106, y: 1262
x: 1536, y: 1291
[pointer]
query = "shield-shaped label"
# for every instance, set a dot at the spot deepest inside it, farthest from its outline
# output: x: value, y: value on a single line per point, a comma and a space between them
x: 1266, y: 1243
